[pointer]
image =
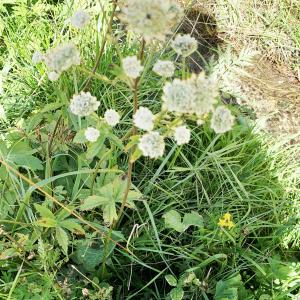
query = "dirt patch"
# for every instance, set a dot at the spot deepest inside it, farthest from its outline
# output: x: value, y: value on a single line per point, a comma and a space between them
x: 274, y: 93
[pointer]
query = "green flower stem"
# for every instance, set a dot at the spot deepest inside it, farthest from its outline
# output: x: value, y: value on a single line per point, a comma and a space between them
x: 133, y: 132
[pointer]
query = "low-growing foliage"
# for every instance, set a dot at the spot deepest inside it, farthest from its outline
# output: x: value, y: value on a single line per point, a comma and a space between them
x: 127, y: 177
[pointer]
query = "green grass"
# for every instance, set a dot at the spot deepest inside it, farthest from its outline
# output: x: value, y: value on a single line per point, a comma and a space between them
x: 241, y: 172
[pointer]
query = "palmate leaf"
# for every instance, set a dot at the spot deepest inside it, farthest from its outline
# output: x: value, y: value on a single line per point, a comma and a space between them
x: 71, y: 225
x: 228, y: 289
x: 173, y: 220
x: 21, y: 154
x: 93, y: 201
x: 88, y: 256
x: 107, y: 197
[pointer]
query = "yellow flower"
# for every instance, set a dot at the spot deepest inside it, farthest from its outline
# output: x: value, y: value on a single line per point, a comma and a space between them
x: 226, y: 221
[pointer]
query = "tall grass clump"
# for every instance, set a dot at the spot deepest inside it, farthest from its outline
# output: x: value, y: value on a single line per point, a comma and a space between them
x: 123, y: 175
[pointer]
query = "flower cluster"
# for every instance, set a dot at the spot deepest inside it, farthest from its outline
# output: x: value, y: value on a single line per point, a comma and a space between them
x: 184, y: 45
x: 152, y: 19
x: 222, y: 120
x: 61, y: 58
x: 196, y: 95
x: 182, y: 135
x: 132, y: 67
x: 143, y: 119
x: 164, y: 68
x: 152, y: 145
x: 80, y: 19
x: 111, y: 117
x: 226, y: 221
x: 84, y: 104
x: 92, y: 134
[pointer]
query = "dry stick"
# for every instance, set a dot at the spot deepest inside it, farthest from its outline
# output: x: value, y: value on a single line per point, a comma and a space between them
x: 63, y: 206
x: 108, y: 31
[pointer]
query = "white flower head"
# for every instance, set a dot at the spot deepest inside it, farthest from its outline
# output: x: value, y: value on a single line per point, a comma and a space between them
x: 84, y: 104
x: 62, y: 58
x: 37, y: 57
x: 222, y: 120
x: 53, y: 76
x: 182, y: 135
x: 2, y: 113
x: 196, y: 95
x: 92, y: 134
x: 80, y: 19
x: 206, y: 93
x: 179, y: 96
x: 164, y: 68
x: 152, y: 19
x: 111, y: 117
x: 184, y: 45
x: 132, y: 66
x: 152, y: 145
x: 144, y: 119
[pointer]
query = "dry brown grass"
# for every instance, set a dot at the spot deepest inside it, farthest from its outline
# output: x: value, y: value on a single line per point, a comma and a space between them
x: 272, y: 28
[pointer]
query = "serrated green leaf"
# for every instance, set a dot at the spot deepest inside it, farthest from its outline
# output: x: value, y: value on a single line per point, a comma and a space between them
x: 177, y: 293
x: 193, y: 218
x: 172, y: 281
x: 71, y: 225
x: 173, y: 220
x: 44, y: 211
x: 93, y: 201
x: 46, y: 222
x: 62, y: 239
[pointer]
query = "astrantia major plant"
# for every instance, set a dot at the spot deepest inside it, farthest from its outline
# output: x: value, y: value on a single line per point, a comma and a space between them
x: 185, y: 98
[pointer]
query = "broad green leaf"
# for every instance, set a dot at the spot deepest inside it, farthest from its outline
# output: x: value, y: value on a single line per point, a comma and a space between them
x: 132, y: 196
x: 177, y: 293
x: 71, y: 225
x: 228, y: 289
x: 62, y: 239
x: 109, y: 213
x: 173, y: 220
x: 46, y: 222
x: 44, y: 211
x: 21, y: 154
x: 193, y: 218
x: 28, y: 161
x: 93, y: 201
x: 172, y: 281
x: 88, y: 256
